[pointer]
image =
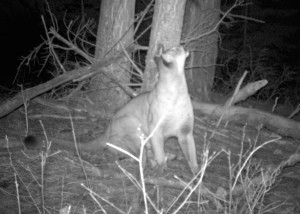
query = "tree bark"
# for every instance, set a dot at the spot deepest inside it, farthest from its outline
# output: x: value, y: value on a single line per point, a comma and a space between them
x: 166, y: 29
x: 201, y: 17
x: 115, y: 29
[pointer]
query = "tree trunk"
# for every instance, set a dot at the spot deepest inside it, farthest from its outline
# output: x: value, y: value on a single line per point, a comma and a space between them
x: 166, y: 29
x: 201, y: 17
x: 115, y: 27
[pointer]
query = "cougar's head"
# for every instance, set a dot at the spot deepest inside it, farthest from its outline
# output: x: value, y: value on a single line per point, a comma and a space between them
x: 173, y: 58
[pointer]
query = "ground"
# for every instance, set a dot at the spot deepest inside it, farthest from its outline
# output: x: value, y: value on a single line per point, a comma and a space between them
x: 96, y: 182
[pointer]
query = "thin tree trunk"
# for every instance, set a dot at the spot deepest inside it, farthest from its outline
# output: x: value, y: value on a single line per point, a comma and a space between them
x: 201, y: 17
x: 115, y: 27
x: 166, y: 29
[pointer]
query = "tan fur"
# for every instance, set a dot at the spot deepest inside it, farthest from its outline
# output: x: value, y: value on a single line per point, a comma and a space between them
x: 168, y: 99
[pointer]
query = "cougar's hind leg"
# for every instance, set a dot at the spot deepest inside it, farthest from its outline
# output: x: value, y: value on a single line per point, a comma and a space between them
x: 188, y: 147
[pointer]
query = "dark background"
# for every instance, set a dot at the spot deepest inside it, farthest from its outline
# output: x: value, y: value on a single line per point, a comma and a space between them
x: 22, y: 31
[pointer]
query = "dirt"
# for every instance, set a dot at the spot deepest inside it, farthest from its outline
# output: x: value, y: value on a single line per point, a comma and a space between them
x: 59, y: 177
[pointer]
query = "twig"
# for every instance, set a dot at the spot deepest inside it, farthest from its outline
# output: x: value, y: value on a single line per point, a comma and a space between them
x: 16, y: 172
x: 72, y: 47
x: 295, y: 112
x: 77, y: 151
x: 249, y: 156
x: 131, y: 61
x: 17, y: 192
x: 236, y: 4
x: 51, y: 46
x: 25, y: 102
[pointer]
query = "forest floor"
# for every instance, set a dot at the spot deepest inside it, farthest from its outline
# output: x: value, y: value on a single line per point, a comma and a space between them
x: 33, y: 181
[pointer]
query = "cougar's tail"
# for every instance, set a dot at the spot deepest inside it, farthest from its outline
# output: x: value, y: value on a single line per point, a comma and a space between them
x: 94, y: 146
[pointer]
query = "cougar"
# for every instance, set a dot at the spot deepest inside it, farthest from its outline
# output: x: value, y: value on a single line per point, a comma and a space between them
x: 168, y: 102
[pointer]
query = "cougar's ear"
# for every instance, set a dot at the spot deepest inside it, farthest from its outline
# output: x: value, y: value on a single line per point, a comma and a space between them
x: 158, y: 53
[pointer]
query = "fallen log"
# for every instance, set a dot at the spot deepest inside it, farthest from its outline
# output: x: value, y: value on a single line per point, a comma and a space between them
x: 82, y: 73
x: 281, y: 125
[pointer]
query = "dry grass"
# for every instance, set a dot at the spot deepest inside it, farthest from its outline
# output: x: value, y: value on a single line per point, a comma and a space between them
x: 56, y: 181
